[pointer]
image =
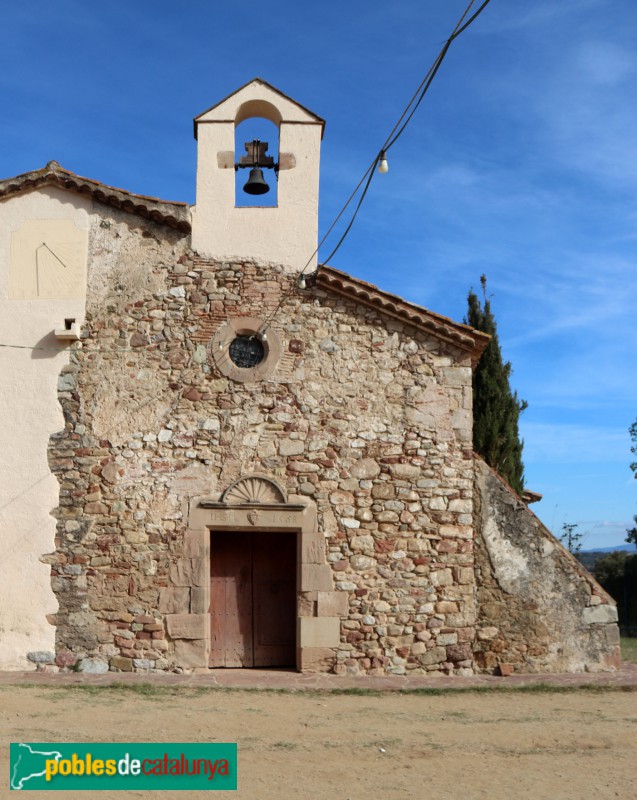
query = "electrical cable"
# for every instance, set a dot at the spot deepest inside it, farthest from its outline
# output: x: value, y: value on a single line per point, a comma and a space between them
x: 65, y: 349
x: 391, y: 139
x: 287, y: 294
x: 356, y: 210
x: 425, y: 84
x: 432, y: 72
x: 435, y: 66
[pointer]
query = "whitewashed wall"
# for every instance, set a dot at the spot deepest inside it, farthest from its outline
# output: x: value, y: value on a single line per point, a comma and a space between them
x: 29, y: 414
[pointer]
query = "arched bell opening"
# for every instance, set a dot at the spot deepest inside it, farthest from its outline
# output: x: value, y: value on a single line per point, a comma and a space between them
x: 256, y: 147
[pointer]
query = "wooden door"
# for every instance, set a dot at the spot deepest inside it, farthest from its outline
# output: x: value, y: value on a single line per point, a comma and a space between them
x: 231, y: 599
x: 274, y: 599
x: 252, y: 599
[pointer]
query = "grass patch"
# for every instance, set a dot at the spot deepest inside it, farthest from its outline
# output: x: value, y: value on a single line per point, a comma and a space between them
x: 152, y: 691
x: 530, y: 688
x: 629, y: 649
x: 120, y: 690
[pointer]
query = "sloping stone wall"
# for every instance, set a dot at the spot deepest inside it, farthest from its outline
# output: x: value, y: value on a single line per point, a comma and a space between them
x: 539, y: 610
x: 367, y: 417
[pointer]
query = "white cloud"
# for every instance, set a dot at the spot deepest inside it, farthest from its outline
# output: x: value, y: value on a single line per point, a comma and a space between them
x: 602, y: 63
x: 539, y: 14
x: 585, y: 113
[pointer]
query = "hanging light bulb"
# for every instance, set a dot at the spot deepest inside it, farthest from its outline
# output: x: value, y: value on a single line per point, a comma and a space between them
x: 301, y: 281
x: 383, y: 166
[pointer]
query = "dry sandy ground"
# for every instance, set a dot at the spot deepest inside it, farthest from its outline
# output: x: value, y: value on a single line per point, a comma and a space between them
x: 322, y: 746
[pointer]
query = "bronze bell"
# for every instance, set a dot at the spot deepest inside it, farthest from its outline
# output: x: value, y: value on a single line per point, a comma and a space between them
x: 256, y: 183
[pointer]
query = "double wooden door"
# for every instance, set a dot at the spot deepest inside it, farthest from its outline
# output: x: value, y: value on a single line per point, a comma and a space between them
x: 252, y: 599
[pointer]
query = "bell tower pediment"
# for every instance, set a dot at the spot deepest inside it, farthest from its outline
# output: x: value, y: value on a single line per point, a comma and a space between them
x: 258, y: 98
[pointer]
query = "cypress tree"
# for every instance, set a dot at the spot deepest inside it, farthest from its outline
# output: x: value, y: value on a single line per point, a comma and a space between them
x: 496, y: 409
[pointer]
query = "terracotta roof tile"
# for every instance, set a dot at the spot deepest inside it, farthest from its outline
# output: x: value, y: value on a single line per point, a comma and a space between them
x: 175, y: 215
x: 463, y: 336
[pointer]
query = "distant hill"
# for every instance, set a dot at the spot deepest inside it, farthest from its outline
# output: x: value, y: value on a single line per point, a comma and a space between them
x: 627, y: 547
x: 589, y: 557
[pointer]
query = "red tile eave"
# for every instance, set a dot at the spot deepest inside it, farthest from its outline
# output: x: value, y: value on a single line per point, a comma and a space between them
x: 173, y: 214
x: 458, y: 334
x: 531, y: 497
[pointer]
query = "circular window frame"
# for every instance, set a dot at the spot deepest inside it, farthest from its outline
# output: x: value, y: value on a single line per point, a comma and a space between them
x: 245, y: 326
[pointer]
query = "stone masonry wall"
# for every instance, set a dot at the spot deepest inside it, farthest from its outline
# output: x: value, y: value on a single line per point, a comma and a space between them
x: 539, y: 610
x: 367, y: 417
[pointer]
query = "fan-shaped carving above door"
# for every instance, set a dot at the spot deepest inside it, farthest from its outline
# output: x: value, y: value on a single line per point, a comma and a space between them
x: 254, y: 489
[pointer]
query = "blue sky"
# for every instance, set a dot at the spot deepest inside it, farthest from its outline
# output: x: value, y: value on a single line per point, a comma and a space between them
x: 519, y: 164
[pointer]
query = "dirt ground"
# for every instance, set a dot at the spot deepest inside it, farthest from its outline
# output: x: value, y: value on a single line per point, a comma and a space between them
x: 320, y: 745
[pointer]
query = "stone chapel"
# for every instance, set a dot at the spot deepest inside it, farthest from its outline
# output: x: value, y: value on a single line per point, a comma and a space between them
x: 211, y: 461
